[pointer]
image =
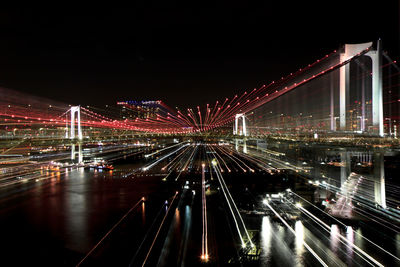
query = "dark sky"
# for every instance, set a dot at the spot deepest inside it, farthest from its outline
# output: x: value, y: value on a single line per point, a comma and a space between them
x: 183, y: 54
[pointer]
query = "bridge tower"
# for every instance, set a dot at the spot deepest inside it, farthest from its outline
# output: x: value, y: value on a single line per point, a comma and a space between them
x: 351, y: 50
x: 75, y: 110
x: 80, y: 154
x: 376, y: 157
x: 75, y: 116
x: 244, y: 129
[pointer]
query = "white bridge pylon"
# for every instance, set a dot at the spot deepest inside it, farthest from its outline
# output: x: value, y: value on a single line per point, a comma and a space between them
x: 75, y: 110
x: 244, y: 128
x: 351, y: 50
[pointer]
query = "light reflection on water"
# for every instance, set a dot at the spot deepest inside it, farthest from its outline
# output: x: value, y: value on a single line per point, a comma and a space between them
x: 274, y: 237
x: 335, y: 231
x: 358, y: 240
x: 143, y: 213
x: 178, y: 237
x: 299, y: 228
x: 275, y: 244
x: 266, y: 237
x: 186, y: 233
x: 76, y: 209
x: 350, y: 240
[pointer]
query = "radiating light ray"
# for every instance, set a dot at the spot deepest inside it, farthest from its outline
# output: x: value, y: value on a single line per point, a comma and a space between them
x: 149, y: 166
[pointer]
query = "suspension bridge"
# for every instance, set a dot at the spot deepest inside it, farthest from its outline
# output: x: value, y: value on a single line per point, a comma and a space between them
x: 314, y: 152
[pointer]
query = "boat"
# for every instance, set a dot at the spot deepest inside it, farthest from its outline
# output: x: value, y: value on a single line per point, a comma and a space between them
x: 100, y: 166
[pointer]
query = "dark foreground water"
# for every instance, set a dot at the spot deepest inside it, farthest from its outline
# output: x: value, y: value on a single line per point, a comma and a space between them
x: 56, y: 222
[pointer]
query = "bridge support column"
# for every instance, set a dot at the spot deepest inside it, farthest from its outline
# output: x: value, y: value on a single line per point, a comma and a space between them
x: 77, y: 110
x: 80, y: 155
x: 66, y: 126
x: 344, y: 90
x: 332, y: 104
x: 377, y: 96
x: 244, y: 128
x: 235, y: 127
x: 362, y: 124
x: 379, y: 179
x: 73, y: 152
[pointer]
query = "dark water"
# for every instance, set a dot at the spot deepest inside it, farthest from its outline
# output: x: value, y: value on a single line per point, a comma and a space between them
x: 57, y: 221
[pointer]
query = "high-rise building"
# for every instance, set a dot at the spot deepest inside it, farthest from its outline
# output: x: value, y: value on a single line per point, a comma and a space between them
x: 142, y: 109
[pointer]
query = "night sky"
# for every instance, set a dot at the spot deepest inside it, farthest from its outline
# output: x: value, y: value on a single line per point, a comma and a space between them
x: 182, y: 54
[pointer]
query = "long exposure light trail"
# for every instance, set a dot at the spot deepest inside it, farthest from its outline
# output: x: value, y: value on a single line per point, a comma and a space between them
x: 294, y: 232
x: 183, y: 166
x: 204, y: 245
x: 147, y: 233
x: 230, y: 208
x: 109, y: 232
x: 223, y: 161
x: 341, y: 223
x: 241, y: 161
x: 229, y: 198
x: 231, y: 158
x: 147, y: 167
x: 160, y: 150
x: 35, y: 171
x: 173, y: 161
x: 263, y: 165
x: 345, y: 241
x: 159, y: 229
x: 347, y: 196
x: 278, y: 163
